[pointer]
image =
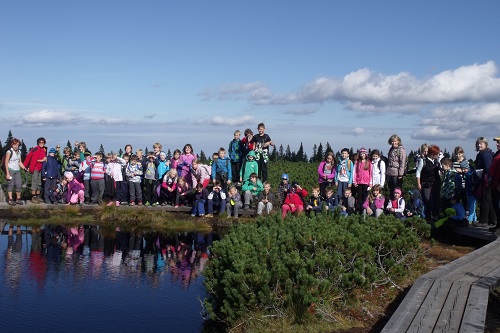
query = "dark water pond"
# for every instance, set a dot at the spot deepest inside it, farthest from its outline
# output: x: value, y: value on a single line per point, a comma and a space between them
x: 92, y: 280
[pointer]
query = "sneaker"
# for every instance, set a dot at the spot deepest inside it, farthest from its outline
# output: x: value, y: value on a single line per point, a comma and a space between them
x: 147, y: 203
x: 163, y: 204
x: 110, y: 203
x: 19, y: 202
x: 12, y: 202
x: 118, y: 203
x: 155, y: 204
x: 123, y: 203
x: 193, y: 215
x: 246, y: 207
x: 176, y: 206
x: 139, y: 203
x: 132, y: 204
x: 209, y: 215
x: 201, y: 215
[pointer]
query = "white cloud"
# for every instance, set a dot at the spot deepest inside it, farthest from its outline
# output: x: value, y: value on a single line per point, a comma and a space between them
x: 301, y: 111
x: 218, y: 120
x: 48, y: 117
x: 358, y: 131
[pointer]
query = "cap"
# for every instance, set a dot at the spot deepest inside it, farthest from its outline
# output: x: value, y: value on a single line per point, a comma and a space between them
x: 52, y: 151
x: 284, y: 176
x: 362, y: 150
x: 497, y: 138
x: 87, y: 153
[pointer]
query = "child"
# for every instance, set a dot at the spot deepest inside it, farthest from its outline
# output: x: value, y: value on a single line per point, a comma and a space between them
x: 451, y: 185
x: 162, y: 164
x: 200, y: 173
x: 378, y: 168
x: 216, y: 199
x: 183, y: 193
x: 150, y: 173
x: 374, y: 203
x: 235, y: 151
x: 343, y: 177
x: 362, y: 178
x: 283, y: 188
x: 200, y: 197
x: 454, y: 217
x: 85, y: 168
x: 175, y: 160
x: 34, y: 161
x: 251, y: 189
x: 233, y: 203
x: 249, y: 166
x: 185, y: 162
x: 315, y: 203
x: 330, y: 200
x: 58, y: 194
x: 347, y: 203
x: 396, y: 206
x: 265, y: 199
x: 221, y: 169
x: 157, y: 150
x: 262, y: 142
x: 168, y: 189
x: 50, y: 174
x: 326, y: 173
x: 114, y: 170
x: 75, y: 192
x: 396, y: 163
x: 294, y: 200
x: 461, y: 166
x: 246, y: 143
x: 97, y: 182
x: 134, y: 174
x: 416, y: 206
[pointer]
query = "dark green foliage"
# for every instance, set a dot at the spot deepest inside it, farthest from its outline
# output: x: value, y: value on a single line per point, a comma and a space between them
x: 277, y: 266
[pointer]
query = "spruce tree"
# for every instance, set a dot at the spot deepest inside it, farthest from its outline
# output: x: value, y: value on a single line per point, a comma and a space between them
x: 101, y: 149
x: 319, y: 155
x: 24, y: 150
x: 169, y: 154
x: 300, y: 154
x: 315, y: 150
x: 203, y: 157
x: 281, y: 155
x: 288, y: 153
x: 328, y: 148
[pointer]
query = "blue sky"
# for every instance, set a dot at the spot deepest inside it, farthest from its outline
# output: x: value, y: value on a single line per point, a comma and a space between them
x: 350, y: 73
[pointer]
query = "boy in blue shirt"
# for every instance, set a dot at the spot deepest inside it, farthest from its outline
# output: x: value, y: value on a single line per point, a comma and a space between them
x: 221, y: 169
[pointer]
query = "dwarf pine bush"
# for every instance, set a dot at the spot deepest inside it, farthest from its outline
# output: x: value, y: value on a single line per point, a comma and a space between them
x: 277, y: 266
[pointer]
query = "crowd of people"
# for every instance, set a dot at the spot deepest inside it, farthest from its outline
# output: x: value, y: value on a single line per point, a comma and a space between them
x: 238, y: 179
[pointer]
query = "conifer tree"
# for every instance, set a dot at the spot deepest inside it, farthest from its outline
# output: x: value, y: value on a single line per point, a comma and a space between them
x: 169, y: 154
x: 288, y: 153
x: 319, y: 154
x: 274, y: 155
x: 101, y: 149
x: 300, y: 154
x: 24, y: 150
x: 281, y: 155
x: 315, y: 150
x: 68, y: 144
x: 120, y: 152
x: 8, y: 141
x: 328, y: 148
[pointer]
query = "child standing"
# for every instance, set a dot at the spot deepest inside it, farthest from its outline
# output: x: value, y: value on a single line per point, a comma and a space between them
x: 362, y: 178
x: 134, y: 174
x: 162, y: 164
x: 265, y: 199
x: 396, y: 206
x: 249, y: 166
x: 326, y: 173
x: 251, y: 189
x: 221, y: 169
x: 216, y: 199
x: 235, y: 152
x: 200, y: 198
x: 97, y: 182
x: 114, y: 170
x: 262, y: 142
x: 86, y: 167
x: 233, y: 202
x: 374, y: 203
x: 175, y: 160
x: 185, y: 162
x: 461, y: 166
x: 150, y: 180
x: 315, y: 203
x: 50, y: 174
x: 343, y: 177
x: 378, y: 169
x: 451, y: 184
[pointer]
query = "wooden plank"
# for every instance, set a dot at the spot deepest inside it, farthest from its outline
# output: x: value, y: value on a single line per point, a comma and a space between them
x: 452, y: 313
x: 479, y: 233
x: 406, y: 311
x: 475, y: 310
x: 430, y: 309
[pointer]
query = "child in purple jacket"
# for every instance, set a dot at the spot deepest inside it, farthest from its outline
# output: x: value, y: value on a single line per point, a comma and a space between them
x: 75, y: 193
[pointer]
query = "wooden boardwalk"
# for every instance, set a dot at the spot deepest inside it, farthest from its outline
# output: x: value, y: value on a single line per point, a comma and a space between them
x: 451, y: 298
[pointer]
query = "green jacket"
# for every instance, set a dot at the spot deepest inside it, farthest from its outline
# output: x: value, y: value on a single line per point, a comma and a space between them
x: 249, y: 186
x: 248, y: 167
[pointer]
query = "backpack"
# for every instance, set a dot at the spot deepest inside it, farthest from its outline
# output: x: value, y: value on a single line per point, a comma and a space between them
x: 384, y: 159
x: 2, y: 163
x: 207, y: 169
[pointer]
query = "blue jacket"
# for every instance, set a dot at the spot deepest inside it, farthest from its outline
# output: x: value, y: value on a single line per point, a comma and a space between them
x: 50, y: 168
x: 235, y: 150
x: 221, y: 165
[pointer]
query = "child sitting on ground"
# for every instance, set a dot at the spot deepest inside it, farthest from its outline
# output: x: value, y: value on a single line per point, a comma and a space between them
x: 396, y: 206
x: 374, y: 203
x: 265, y: 199
x: 251, y: 189
x: 331, y: 201
x: 294, y: 200
x: 233, y: 202
x: 184, y: 193
x: 315, y: 204
x: 415, y: 205
x: 168, y: 189
x: 347, y: 203
x: 75, y: 191
x: 216, y: 199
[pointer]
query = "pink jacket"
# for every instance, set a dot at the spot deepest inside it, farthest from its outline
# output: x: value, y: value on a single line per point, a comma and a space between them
x: 321, y: 173
x: 200, y: 174
x: 378, y: 202
x: 362, y: 176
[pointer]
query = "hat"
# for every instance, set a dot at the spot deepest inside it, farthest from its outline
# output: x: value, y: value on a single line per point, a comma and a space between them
x: 497, y: 138
x: 52, y: 151
x: 87, y: 153
x: 362, y: 150
x: 397, y: 190
x: 294, y: 184
x: 162, y: 153
x: 284, y: 176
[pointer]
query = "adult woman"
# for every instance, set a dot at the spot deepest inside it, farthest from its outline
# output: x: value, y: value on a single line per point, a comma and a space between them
x: 396, y: 163
x: 484, y: 158
x: 34, y: 161
x: 13, y: 166
x: 428, y: 179
x: 495, y: 183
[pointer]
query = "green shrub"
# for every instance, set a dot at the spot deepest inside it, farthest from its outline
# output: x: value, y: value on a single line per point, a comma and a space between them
x: 277, y: 266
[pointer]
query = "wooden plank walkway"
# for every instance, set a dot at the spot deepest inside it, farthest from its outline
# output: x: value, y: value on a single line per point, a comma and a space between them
x: 451, y: 298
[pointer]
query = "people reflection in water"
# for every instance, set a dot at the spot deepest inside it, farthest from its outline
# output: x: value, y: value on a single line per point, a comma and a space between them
x: 95, y: 250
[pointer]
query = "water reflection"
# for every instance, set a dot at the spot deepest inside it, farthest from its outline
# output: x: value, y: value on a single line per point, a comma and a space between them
x: 94, y: 267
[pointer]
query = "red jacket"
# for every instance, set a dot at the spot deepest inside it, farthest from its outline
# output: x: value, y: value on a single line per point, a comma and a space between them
x: 295, y: 197
x: 495, y: 171
x: 33, y: 156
